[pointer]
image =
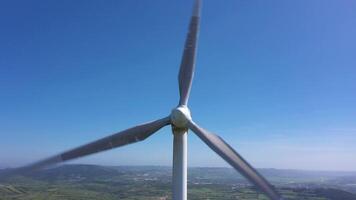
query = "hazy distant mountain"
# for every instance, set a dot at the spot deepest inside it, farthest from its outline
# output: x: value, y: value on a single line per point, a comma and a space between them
x: 124, y: 182
x: 215, y: 174
x: 76, y: 171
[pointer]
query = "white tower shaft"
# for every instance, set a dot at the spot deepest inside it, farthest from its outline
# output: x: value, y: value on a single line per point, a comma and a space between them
x: 179, y: 182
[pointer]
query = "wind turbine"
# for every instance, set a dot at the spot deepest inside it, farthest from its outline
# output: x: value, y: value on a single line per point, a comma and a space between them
x: 180, y: 120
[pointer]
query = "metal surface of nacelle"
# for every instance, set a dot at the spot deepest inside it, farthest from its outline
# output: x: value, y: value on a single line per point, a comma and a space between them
x: 180, y: 116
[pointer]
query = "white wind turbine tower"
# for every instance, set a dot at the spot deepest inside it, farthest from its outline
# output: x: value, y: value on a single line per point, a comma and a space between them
x: 180, y: 121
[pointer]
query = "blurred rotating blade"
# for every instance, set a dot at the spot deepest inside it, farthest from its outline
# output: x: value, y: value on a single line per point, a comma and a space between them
x: 187, y: 66
x: 235, y: 160
x: 128, y: 136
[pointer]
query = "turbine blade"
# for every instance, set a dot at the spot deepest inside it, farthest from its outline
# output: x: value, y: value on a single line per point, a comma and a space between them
x: 128, y: 136
x: 187, y: 66
x: 235, y: 160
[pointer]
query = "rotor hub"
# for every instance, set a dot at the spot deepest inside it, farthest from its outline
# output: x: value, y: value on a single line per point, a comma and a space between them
x: 180, y: 116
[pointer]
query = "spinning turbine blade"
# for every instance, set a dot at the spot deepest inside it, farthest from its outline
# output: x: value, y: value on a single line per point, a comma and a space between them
x: 180, y: 119
x: 128, y: 136
x: 187, y: 66
x: 235, y: 160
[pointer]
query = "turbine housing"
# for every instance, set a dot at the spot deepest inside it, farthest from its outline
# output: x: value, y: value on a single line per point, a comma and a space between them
x: 180, y: 116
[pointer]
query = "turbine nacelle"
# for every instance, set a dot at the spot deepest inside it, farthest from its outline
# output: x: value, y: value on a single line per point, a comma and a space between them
x: 180, y: 116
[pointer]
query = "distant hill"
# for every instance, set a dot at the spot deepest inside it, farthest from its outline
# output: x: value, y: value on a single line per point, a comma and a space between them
x: 215, y: 174
x: 75, y: 172
x: 152, y: 182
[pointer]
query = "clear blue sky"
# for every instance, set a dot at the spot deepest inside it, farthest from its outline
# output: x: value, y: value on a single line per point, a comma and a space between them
x: 276, y: 79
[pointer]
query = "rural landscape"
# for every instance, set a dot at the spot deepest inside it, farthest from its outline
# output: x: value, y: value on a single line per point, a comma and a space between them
x: 92, y: 182
x: 273, y: 79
